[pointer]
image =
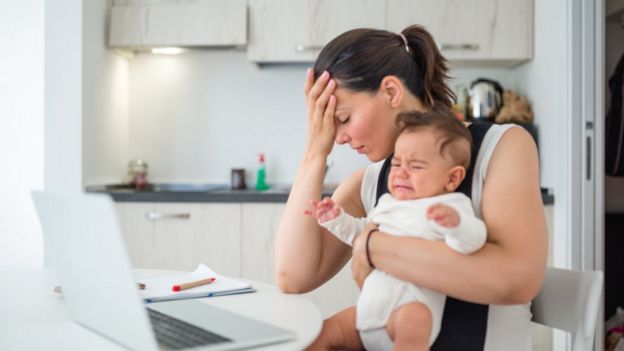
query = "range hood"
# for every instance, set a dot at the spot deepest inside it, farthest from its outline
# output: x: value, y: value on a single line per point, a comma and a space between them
x: 209, y: 23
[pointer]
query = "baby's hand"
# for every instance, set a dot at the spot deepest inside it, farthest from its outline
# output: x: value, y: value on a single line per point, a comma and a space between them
x: 444, y: 215
x: 324, y: 210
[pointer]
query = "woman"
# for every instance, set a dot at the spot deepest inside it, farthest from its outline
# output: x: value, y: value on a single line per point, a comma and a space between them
x: 361, y: 81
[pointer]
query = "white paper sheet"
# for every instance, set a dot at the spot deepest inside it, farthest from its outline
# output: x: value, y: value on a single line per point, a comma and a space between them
x: 160, y: 288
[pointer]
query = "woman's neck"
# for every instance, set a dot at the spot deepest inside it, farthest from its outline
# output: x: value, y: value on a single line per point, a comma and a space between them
x: 412, y: 103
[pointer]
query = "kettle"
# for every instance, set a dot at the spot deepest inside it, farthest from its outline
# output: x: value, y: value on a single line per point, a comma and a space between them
x: 486, y: 99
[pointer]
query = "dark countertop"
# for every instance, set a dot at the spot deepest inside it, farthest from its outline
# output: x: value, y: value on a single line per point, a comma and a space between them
x: 171, y: 192
x: 213, y: 193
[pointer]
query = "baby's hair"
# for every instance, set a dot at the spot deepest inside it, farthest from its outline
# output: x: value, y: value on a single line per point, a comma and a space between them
x: 451, y: 132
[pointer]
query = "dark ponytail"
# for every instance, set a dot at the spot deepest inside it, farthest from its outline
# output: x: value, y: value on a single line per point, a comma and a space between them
x: 360, y: 58
x: 432, y: 66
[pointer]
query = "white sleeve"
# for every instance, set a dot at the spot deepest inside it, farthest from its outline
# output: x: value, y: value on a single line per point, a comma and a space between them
x: 469, y: 236
x: 345, y: 227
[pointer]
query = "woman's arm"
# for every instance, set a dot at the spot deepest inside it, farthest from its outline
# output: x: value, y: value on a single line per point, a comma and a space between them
x: 305, y: 254
x: 510, y: 268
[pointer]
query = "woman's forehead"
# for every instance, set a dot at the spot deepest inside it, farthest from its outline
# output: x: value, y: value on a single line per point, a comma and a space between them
x: 348, y: 99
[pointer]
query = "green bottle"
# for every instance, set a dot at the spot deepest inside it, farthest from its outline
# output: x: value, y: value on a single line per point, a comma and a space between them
x: 261, y: 177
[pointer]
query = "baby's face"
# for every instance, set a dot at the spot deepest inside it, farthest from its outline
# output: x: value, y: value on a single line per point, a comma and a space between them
x: 418, y: 169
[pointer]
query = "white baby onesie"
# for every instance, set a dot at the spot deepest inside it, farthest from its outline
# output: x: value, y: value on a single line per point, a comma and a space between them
x: 382, y: 293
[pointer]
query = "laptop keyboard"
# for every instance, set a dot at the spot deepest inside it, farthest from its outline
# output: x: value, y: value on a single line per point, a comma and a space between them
x: 177, y: 334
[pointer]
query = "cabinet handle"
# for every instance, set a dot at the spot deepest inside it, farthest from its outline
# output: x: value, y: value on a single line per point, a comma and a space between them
x: 155, y: 216
x: 459, y: 47
x: 588, y: 157
x: 304, y: 48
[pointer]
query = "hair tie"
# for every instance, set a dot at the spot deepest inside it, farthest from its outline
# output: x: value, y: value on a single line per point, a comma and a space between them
x: 407, y: 48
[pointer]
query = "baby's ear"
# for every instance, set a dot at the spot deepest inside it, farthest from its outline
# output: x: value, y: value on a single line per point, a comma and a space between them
x: 455, y: 177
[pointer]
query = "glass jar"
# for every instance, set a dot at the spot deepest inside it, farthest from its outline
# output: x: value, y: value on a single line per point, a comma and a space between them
x: 137, y: 173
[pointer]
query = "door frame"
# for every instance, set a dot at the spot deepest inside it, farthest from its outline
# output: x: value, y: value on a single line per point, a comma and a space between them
x: 586, y: 52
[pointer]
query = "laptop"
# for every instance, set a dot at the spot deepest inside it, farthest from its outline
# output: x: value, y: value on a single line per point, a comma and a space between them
x: 88, y: 252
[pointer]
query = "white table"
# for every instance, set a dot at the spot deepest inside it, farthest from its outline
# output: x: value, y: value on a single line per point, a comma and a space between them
x: 33, y: 317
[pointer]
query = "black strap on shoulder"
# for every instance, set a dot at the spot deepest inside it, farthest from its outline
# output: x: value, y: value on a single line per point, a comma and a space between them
x: 382, y: 180
x: 477, y: 131
x: 464, y: 324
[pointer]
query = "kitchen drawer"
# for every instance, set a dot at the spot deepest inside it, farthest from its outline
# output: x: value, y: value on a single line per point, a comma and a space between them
x: 178, y: 236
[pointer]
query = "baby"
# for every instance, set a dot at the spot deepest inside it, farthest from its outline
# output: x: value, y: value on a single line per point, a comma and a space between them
x: 431, y: 156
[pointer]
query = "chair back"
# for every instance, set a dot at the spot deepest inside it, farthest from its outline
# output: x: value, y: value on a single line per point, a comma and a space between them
x: 569, y: 300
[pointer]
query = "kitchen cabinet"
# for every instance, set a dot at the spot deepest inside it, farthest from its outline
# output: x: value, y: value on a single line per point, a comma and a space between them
x: 234, y: 239
x: 259, y: 226
x: 260, y: 222
x: 138, y: 231
x: 337, y: 294
x: 471, y: 31
x: 179, y: 236
x: 209, y: 23
x: 295, y: 31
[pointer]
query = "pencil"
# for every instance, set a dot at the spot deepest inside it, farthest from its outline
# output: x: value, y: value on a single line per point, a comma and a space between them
x: 189, y: 285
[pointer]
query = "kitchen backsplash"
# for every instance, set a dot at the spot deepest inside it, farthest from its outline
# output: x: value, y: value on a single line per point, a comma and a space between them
x: 195, y: 116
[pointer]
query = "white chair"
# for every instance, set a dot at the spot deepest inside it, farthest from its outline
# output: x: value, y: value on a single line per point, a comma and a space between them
x: 569, y: 300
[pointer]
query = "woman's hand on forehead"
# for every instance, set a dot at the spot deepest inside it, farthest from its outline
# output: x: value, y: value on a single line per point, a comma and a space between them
x: 321, y: 113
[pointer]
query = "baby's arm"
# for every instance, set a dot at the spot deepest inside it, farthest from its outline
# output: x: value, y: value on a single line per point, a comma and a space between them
x: 324, y: 210
x: 331, y: 216
x: 462, y: 230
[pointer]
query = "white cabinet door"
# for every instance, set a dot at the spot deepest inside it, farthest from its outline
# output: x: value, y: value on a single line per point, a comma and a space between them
x: 218, y: 244
x: 471, y: 30
x: 189, y: 234
x: 176, y: 229
x: 337, y: 294
x: 260, y: 222
x: 295, y: 31
x: 138, y: 232
x: 213, y: 22
x: 180, y: 236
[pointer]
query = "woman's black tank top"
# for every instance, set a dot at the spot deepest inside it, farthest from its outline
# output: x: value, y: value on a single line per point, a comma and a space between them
x: 464, y: 323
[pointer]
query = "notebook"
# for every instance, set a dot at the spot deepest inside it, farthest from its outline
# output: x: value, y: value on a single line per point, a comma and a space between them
x: 88, y: 252
x: 159, y: 288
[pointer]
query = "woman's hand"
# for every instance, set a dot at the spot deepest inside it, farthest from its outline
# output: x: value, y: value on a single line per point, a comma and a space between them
x: 321, y: 108
x: 360, y: 269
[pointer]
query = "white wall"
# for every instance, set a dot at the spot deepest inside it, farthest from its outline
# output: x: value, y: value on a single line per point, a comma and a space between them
x: 104, y: 100
x: 546, y: 81
x: 195, y: 116
x: 543, y: 81
x: 21, y: 149
x: 63, y: 95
